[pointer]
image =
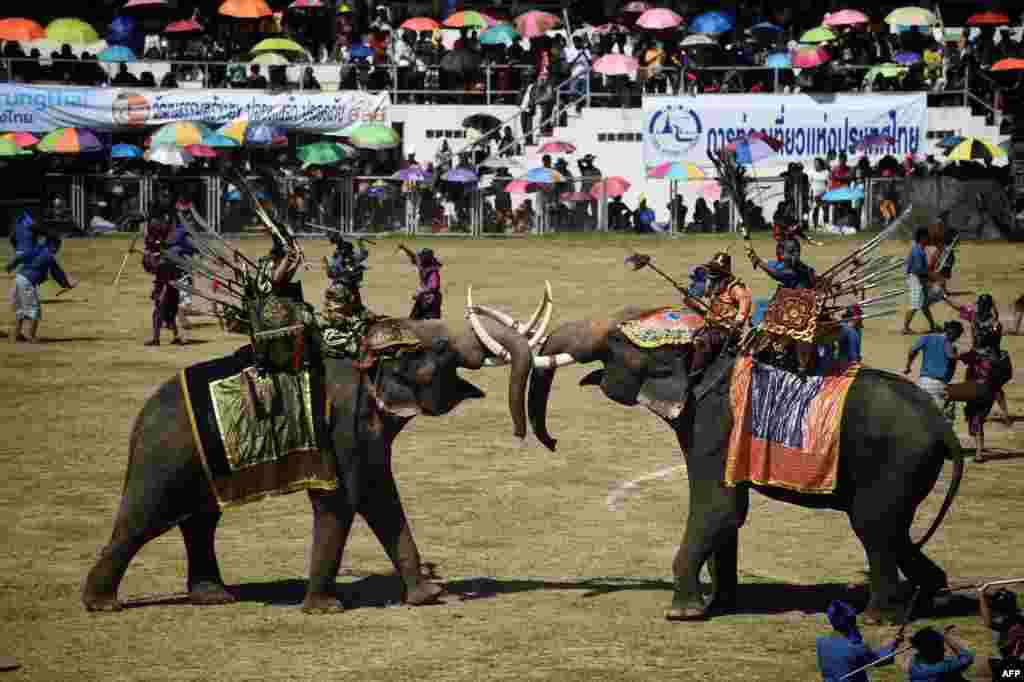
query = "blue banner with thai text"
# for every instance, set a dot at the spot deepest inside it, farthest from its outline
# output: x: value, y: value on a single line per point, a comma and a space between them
x: 685, y: 129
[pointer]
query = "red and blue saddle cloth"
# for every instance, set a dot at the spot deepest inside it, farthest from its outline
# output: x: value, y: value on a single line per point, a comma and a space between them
x: 671, y: 325
x: 786, y: 428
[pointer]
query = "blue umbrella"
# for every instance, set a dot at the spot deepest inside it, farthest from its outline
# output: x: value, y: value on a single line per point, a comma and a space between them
x: 263, y: 134
x: 848, y: 193
x: 463, y: 175
x: 217, y: 140
x: 767, y: 27
x: 711, y: 22
x: 779, y: 60
x: 125, y: 151
x: 235, y: 195
x: 117, y: 53
x: 360, y: 50
x: 951, y: 141
x: 907, y: 58
x: 502, y: 34
x: 544, y: 175
x: 122, y: 27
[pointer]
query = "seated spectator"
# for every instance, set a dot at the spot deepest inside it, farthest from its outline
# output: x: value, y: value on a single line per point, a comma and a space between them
x: 309, y: 81
x: 930, y: 664
x: 643, y: 217
x: 256, y: 80
x: 169, y: 80
x: 124, y: 77
x: 147, y: 80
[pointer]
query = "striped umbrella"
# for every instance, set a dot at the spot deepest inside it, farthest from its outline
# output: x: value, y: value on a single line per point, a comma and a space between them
x: 974, y: 149
x: 22, y: 139
x: 674, y: 170
x: 535, y: 23
x: 469, y: 19
x: 22, y: 30
x: 169, y: 155
x: 9, y: 148
x: 69, y: 141
x: 180, y: 133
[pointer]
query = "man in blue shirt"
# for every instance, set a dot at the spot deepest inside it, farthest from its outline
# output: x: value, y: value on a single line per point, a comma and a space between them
x: 917, y: 282
x: 37, y: 264
x: 938, y: 360
x: 789, y: 271
x: 644, y: 217
x: 929, y: 663
x: 844, y: 650
x: 850, y: 336
x: 23, y: 237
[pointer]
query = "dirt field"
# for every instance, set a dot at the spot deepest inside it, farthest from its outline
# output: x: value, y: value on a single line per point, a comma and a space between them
x: 545, y: 582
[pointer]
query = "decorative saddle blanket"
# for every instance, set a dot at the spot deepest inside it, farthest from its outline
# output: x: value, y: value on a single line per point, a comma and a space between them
x: 786, y: 428
x: 674, y: 325
x: 258, y: 435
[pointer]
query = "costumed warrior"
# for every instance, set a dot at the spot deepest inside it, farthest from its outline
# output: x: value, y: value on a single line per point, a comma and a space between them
x: 345, y: 316
x: 37, y: 263
x: 166, y: 297
x: 427, y: 299
x: 729, y: 312
x: 989, y: 369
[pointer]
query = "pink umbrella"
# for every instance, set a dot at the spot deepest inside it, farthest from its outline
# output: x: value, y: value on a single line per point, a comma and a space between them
x: 636, y: 7
x: 712, y: 190
x: 535, y: 23
x: 306, y: 4
x: 201, y: 151
x: 183, y: 26
x: 576, y: 196
x: 557, y: 147
x: 614, y: 186
x: 521, y: 186
x: 659, y: 19
x: 809, y: 57
x: 845, y: 17
x: 144, y: 3
x: 22, y: 139
x: 616, y: 65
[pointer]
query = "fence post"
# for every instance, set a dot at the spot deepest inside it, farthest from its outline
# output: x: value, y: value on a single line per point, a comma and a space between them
x: 487, y: 84
x: 967, y: 82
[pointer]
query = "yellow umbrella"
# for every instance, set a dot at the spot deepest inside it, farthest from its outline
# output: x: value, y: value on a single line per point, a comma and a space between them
x: 973, y: 149
x: 911, y: 16
x: 821, y: 34
x: 270, y: 59
x: 71, y: 31
x: 279, y: 45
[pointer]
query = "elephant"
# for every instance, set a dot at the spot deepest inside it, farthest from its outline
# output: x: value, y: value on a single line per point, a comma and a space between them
x: 696, y: 406
x: 165, y: 484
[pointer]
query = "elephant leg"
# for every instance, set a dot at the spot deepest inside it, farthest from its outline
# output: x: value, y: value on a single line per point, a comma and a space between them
x: 724, y: 568
x: 922, y: 573
x: 332, y: 521
x: 882, y: 540
x: 716, y: 515
x: 205, y: 584
x: 382, y: 509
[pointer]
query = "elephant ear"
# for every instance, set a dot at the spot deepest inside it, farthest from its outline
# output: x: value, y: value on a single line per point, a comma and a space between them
x: 666, y: 390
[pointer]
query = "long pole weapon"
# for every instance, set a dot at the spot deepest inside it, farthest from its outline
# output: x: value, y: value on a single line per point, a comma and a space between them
x: 640, y: 261
x: 899, y: 637
x: 131, y: 248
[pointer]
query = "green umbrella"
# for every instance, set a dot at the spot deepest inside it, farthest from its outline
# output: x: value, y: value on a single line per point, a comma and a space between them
x: 375, y: 136
x: 325, y: 153
x: 71, y: 31
x: 888, y: 70
x: 278, y: 44
x: 817, y: 35
x: 11, y: 148
x: 270, y: 59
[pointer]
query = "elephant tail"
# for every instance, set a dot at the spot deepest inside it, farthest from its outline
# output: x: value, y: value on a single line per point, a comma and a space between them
x: 956, y: 453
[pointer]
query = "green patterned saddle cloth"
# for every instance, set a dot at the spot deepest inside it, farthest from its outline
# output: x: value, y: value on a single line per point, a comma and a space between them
x: 673, y: 325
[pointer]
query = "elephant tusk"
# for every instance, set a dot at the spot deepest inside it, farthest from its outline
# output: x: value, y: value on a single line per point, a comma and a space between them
x: 549, y: 308
x: 532, y: 322
x: 489, y: 343
x: 499, y: 316
x: 553, y: 361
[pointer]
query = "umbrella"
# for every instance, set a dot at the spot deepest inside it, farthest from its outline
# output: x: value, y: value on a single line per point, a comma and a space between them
x: 116, y: 53
x: 500, y: 163
x: 125, y: 151
x: 69, y: 141
x: 122, y: 28
x: 636, y: 7
x: 219, y: 141
x: 1005, y: 146
x: 71, y: 31
x: 461, y: 175
x: 611, y: 28
x: 752, y: 149
x: 325, y: 153
x: 911, y: 16
x: 845, y: 17
x: 343, y: 8
x: 279, y: 45
x: 306, y: 4
x: 659, y: 19
x: 263, y: 134
x: 469, y: 19
x: 360, y: 50
x: 183, y: 26
x: 907, y: 58
x: 420, y: 24
x: 711, y: 22
x: 974, y: 148
x: 809, y: 57
x: 245, y: 9
x: 988, y: 18
x: 133, y: 4
x: 848, y: 193
x: 950, y: 141
x: 374, y: 136
x: 1009, y: 64
x: 521, y: 186
x: 821, y: 34
x: 201, y: 151
x: 557, y: 147
x: 481, y: 122
x: 535, y: 23
x: 22, y: 30
x: 614, y: 186
x: 169, y: 155
x: 779, y: 60
x: 766, y: 27
x: 544, y: 176
x: 673, y: 170
x: 411, y: 174
x: 712, y: 190
x: 270, y: 59
x: 887, y: 70
x: 696, y: 40
x: 180, y: 133
x: 461, y: 60
x: 614, y: 64
x: 875, y: 140
x: 575, y: 196
x: 235, y: 195
x: 10, y: 148
x: 502, y: 34
x: 21, y: 139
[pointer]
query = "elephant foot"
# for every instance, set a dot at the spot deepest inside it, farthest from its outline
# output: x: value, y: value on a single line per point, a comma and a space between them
x: 424, y: 593
x: 723, y: 603
x: 874, y: 615
x: 103, y: 604
x: 210, y: 594
x: 682, y: 610
x: 322, y: 604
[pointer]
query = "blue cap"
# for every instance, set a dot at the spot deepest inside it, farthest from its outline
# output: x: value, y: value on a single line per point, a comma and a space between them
x: 25, y: 219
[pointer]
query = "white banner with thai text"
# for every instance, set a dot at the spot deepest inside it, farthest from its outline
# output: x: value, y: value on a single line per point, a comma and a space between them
x: 39, y: 109
x: 686, y: 128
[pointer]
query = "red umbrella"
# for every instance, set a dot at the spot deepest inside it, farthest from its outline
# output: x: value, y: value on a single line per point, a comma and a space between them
x: 614, y: 186
x: 557, y: 147
x: 201, y: 151
x: 521, y: 186
x: 183, y: 26
x: 988, y: 18
x: 1009, y: 64
x: 22, y: 30
x: 144, y: 3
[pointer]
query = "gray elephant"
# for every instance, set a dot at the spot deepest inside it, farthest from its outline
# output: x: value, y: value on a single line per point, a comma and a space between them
x: 165, y: 485
x: 885, y: 469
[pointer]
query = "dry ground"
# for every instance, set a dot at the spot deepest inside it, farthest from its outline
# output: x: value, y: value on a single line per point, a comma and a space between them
x: 545, y: 582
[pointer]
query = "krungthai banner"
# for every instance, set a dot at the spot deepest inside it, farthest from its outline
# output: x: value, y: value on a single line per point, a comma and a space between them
x: 687, y: 128
x: 40, y: 109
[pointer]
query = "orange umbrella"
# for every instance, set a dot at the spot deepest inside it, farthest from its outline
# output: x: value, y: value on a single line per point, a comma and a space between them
x: 988, y: 18
x: 1009, y: 64
x: 245, y: 9
x: 21, y: 30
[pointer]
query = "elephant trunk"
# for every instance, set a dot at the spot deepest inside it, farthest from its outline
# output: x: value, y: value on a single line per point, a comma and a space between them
x: 511, y: 346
